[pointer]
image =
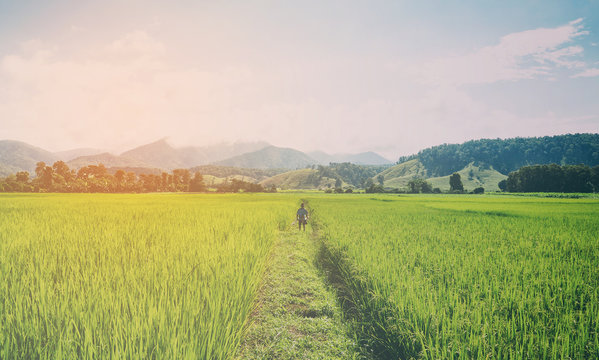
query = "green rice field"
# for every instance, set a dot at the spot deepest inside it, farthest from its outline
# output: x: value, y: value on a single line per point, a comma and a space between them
x: 176, y: 276
x: 446, y: 277
x: 129, y: 276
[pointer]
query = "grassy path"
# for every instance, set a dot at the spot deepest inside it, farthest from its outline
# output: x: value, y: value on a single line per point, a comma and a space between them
x: 297, y: 315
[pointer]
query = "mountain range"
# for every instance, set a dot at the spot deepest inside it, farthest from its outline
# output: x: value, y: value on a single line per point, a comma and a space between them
x: 19, y: 156
x: 482, y: 162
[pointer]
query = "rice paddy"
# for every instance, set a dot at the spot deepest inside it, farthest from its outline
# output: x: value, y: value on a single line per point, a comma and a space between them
x: 127, y: 276
x: 469, y: 277
x: 177, y: 275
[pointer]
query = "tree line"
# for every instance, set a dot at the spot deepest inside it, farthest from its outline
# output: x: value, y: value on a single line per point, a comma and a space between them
x: 97, y: 179
x: 510, y: 154
x: 421, y: 186
x: 553, y: 178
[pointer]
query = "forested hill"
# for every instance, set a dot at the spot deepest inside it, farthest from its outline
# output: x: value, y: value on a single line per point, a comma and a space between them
x: 510, y: 154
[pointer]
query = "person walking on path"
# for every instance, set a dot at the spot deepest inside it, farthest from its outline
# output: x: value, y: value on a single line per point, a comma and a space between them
x: 302, y: 217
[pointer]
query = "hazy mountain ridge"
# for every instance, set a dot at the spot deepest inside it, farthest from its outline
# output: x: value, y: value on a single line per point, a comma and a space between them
x: 270, y: 157
x: 68, y: 155
x: 108, y: 160
x: 365, y: 158
x: 224, y: 151
x: 159, y: 154
x: 19, y: 156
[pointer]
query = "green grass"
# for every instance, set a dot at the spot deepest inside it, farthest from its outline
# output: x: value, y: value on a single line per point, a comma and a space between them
x: 458, y: 277
x: 297, y: 316
x: 553, y: 195
x: 408, y: 169
x: 399, y: 175
x: 133, y: 276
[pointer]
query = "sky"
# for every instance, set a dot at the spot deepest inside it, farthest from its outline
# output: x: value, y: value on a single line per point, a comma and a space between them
x: 392, y: 77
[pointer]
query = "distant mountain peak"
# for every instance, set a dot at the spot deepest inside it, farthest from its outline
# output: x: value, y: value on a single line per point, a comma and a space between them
x: 68, y: 155
x: 364, y: 158
x: 270, y: 157
x: 159, y: 153
x: 160, y: 144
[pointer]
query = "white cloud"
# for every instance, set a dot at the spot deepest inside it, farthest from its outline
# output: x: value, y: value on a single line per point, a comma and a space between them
x: 522, y: 55
x: 562, y: 57
x: 125, y: 93
x: 592, y: 72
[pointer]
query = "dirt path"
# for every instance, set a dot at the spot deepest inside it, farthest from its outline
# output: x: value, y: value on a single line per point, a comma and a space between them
x: 297, y: 315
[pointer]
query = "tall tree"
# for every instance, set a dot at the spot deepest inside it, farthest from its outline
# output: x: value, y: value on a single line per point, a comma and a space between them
x: 502, y: 185
x: 455, y: 182
x: 39, y: 169
x: 595, y: 178
x: 119, y: 177
x: 130, y: 180
x: 62, y: 169
x: 164, y: 181
x: 196, y: 184
x: 417, y: 185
